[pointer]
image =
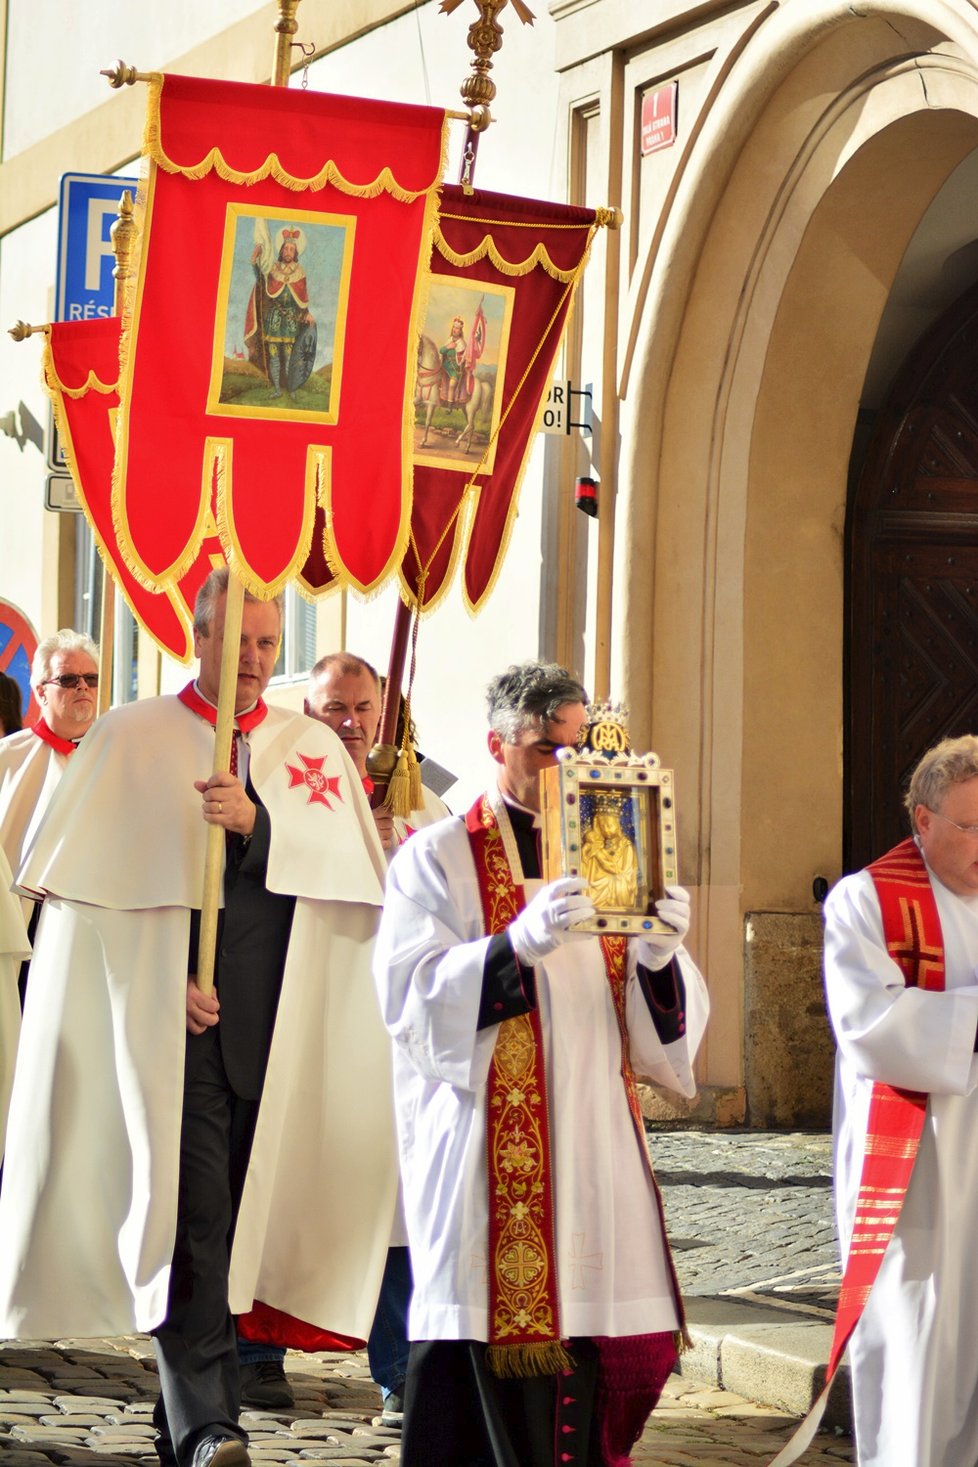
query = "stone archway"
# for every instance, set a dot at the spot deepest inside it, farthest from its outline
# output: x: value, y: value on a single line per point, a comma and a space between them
x: 736, y: 492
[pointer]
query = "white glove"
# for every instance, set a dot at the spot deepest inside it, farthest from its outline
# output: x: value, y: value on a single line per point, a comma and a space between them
x: 543, y: 924
x: 655, y: 950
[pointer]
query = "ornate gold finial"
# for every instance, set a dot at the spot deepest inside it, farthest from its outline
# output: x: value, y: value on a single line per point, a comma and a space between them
x: 20, y: 331
x: 123, y: 75
x: 285, y: 28
x: 485, y: 39
x: 123, y: 236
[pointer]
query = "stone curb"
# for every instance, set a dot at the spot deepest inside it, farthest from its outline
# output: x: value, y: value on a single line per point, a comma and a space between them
x: 774, y: 1356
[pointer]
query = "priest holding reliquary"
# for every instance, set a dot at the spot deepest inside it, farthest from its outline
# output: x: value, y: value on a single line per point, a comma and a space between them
x: 527, y: 987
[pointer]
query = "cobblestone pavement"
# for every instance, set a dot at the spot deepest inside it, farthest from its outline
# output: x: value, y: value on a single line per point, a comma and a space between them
x: 747, y: 1211
x: 750, y: 1215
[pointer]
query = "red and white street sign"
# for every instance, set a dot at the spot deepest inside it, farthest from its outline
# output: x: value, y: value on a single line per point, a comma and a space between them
x: 659, y: 118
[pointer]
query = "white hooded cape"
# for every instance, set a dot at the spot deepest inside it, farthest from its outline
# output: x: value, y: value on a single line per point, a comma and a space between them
x: 30, y: 772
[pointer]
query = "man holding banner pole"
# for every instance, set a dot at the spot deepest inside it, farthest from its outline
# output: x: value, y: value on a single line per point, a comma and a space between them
x: 241, y: 1133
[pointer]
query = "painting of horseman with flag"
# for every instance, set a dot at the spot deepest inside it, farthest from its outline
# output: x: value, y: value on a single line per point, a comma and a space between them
x: 448, y: 383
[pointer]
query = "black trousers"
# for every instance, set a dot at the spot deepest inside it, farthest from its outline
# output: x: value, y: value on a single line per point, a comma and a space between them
x: 457, y: 1413
x: 196, y: 1350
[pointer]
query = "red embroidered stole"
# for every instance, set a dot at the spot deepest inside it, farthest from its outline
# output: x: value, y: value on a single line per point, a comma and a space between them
x: 524, y: 1325
x: 524, y: 1322
x: 912, y: 932
x: 48, y: 736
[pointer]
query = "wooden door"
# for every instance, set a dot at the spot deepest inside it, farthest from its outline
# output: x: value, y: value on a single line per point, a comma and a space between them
x: 912, y: 602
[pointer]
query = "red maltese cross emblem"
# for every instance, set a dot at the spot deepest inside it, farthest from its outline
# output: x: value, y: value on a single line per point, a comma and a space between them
x: 312, y: 778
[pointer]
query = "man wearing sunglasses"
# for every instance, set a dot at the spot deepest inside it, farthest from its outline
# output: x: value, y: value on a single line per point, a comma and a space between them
x: 64, y: 680
x: 901, y: 957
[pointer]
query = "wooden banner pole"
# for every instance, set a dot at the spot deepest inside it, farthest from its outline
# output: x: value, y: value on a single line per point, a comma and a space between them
x: 285, y: 28
x: 223, y: 734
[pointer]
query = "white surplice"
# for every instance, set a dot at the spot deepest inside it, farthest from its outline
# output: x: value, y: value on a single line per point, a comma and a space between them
x: 88, y: 1205
x: 613, y: 1273
x: 914, y: 1355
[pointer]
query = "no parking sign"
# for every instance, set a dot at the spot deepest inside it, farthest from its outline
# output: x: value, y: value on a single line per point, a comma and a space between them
x: 18, y: 643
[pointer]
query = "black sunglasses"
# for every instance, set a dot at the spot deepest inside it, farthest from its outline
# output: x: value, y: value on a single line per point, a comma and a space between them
x: 73, y: 680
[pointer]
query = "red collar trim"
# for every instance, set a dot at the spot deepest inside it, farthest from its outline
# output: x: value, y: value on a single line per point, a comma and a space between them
x: 48, y: 736
x: 190, y: 698
x: 368, y: 785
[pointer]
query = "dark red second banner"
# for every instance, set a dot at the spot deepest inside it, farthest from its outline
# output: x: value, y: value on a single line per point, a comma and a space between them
x: 503, y: 275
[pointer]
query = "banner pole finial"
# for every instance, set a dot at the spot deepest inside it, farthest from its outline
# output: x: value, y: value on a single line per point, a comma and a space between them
x: 285, y: 28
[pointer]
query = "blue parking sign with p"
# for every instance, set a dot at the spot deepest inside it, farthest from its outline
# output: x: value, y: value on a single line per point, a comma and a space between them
x: 89, y: 206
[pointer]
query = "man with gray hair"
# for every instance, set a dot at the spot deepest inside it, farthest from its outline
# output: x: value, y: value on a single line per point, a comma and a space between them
x: 901, y: 955
x: 545, y: 1314
x: 240, y: 1133
x: 64, y: 680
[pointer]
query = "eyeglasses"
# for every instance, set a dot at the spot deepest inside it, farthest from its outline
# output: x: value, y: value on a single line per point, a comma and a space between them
x: 971, y: 830
x: 69, y: 680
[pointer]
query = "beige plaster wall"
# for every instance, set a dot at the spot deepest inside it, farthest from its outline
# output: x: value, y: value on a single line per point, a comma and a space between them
x: 742, y: 370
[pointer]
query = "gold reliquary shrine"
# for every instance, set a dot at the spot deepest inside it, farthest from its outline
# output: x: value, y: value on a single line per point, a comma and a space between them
x: 609, y: 816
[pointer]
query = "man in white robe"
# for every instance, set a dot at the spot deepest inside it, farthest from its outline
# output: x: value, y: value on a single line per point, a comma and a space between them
x: 345, y: 693
x: 64, y: 680
x: 914, y: 1353
x: 153, y: 1120
x: 446, y: 986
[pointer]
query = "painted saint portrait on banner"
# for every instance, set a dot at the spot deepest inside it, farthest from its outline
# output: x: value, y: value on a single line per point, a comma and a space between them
x: 279, y: 332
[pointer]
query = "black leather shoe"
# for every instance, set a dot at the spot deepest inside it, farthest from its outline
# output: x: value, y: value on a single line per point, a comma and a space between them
x: 265, y: 1384
x: 220, y: 1451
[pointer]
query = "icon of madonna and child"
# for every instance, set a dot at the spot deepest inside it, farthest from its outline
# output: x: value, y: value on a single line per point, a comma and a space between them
x: 611, y: 851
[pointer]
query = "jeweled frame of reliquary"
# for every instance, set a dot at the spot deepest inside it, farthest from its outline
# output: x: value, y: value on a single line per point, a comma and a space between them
x: 612, y: 822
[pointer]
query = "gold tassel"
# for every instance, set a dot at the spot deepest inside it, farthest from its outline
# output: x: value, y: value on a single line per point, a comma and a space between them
x: 682, y: 1340
x: 414, y: 774
x: 548, y: 1357
x: 404, y: 792
x: 398, y: 797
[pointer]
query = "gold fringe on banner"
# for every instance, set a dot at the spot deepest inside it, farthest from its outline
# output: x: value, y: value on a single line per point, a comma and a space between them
x: 214, y: 160
x: 521, y: 1362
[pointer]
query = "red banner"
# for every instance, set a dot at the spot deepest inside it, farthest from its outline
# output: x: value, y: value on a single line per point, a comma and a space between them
x: 81, y: 371
x: 503, y: 275
x: 270, y: 335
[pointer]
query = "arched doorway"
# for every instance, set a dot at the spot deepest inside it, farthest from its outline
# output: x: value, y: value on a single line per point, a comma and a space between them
x: 912, y: 581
